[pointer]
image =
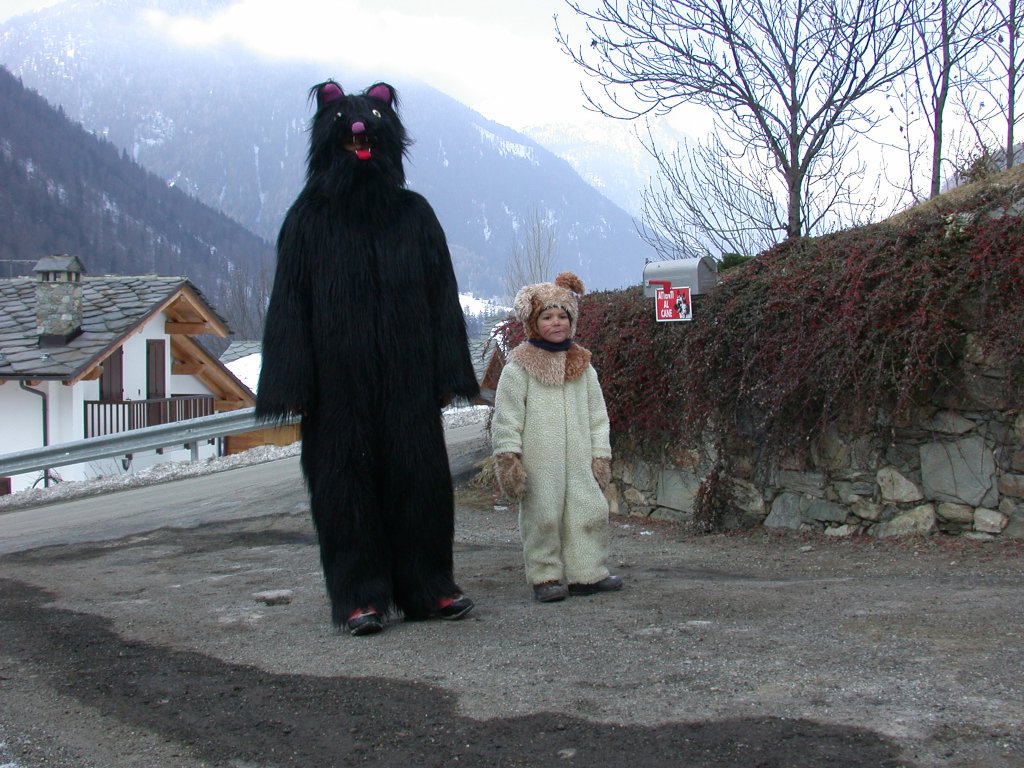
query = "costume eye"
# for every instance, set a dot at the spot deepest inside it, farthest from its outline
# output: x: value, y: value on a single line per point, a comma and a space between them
x: 375, y: 113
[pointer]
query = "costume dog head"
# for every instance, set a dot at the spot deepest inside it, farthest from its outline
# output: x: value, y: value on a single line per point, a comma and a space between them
x: 357, y: 135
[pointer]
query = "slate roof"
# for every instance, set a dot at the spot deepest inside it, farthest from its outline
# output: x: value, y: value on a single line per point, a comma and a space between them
x: 238, y: 349
x: 112, y: 305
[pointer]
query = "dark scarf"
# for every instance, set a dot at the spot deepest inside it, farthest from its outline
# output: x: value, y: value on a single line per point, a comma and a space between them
x: 562, y: 346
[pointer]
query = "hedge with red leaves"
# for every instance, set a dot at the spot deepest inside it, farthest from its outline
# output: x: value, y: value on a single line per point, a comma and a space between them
x: 822, y: 329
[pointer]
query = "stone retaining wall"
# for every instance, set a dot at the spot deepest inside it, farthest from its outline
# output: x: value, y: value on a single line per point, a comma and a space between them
x: 956, y: 467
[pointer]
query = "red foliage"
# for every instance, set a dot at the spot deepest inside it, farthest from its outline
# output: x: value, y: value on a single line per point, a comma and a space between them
x: 815, y: 330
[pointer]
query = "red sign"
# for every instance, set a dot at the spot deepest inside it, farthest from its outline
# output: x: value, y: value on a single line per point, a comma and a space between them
x: 671, y: 303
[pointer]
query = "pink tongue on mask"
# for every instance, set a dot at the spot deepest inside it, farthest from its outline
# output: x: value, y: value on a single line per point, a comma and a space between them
x: 363, y: 154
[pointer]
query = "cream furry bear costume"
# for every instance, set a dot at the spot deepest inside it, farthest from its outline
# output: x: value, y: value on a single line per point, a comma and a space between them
x: 551, y: 445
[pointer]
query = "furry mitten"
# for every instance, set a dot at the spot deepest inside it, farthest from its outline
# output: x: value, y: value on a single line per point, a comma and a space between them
x: 511, y: 474
x: 602, y: 469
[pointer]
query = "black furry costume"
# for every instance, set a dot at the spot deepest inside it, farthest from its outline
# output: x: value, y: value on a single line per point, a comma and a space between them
x: 366, y: 339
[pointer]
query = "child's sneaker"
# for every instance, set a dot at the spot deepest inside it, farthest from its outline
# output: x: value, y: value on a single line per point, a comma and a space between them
x: 609, y: 583
x: 549, y: 592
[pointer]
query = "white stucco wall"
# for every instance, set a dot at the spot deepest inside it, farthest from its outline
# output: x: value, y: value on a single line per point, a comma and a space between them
x: 23, y: 423
x: 22, y: 414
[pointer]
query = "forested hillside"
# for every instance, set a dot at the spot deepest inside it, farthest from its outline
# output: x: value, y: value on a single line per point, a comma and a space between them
x: 64, y: 190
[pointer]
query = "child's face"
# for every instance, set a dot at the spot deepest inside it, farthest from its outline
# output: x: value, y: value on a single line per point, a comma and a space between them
x: 553, y: 325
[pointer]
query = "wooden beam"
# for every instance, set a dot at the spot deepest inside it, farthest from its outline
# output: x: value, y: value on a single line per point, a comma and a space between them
x: 228, y: 405
x: 186, y: 368
x: 185, y: 329
x: 93, y: 374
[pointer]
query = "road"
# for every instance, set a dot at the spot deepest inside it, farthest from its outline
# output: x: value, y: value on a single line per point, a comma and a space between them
x: 268, y: 488
x: 209, y: 645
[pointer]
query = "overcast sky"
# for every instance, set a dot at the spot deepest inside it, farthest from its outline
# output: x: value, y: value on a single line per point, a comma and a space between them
x: 500, y: 58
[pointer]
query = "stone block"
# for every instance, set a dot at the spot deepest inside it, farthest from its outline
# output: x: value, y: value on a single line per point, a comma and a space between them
x: 955, y: 513
x: 919, y: 521
x: 747, y: 497
x: 990, y: 521
x: 1014, y: 529
x: 1011, y: 507
x: 645, y: 476
x: 867, y: 510
x: 961, y: 471
x: 830, y: 451
x: 949, y: 423
x: 786, y: 512
x: 810, y: 483
x: 1012, y: 484
x: 634, y: 498
x: 895, y: 488
x: 1017, y: 461
x: 677, y: 489
x: 825, y: 511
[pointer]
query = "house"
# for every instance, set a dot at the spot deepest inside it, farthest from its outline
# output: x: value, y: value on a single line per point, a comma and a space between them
x: 84, y: 356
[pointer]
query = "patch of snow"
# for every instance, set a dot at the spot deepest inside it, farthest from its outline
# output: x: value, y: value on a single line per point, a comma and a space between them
x: 247, y: 369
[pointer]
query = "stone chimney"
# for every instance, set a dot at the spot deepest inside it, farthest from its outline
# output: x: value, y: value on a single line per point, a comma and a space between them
x: 58, y: 299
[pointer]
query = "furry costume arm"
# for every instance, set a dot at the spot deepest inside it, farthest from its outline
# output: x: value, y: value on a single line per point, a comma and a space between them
x: 454, y: 376
x: 602, y: 469
x: 508, y: 468
x: 287, y: 377
x: 509, y: 410
x: 600, y: 428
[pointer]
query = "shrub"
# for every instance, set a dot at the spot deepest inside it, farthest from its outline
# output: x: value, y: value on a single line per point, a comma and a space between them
x: 816, y: 330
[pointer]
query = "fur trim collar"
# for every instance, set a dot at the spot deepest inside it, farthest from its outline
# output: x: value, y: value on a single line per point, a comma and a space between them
x: 552, y: 368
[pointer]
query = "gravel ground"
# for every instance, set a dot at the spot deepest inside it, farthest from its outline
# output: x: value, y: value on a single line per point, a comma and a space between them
x: 212, y: 646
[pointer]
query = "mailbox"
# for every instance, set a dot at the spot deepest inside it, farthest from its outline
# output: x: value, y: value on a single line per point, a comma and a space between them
x: 675, y: 284
x: 699, y: 275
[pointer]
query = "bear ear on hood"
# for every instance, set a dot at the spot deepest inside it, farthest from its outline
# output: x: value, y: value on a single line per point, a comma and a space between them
x: 327, y: 92
x: 570, y: 282
x: 382, y: 92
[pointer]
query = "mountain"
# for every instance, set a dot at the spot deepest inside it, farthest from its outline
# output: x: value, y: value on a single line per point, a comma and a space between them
x: 64, y: 190
x: 610, y: 154
x: 229, y: 128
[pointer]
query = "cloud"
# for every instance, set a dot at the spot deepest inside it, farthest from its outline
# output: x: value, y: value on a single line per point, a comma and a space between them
x: 503, y: 62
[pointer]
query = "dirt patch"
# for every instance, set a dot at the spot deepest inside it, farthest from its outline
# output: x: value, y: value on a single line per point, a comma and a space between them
x: 748, y: 650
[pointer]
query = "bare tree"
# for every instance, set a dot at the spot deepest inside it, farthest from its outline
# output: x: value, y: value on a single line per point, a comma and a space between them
x: 1005, y: 88
x: 532, y: 257
x: 787, y: 80
x: 948, y: 36
x: 702, y: 203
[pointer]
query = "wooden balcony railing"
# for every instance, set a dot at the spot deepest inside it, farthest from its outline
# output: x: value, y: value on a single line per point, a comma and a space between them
x: 109, y: 418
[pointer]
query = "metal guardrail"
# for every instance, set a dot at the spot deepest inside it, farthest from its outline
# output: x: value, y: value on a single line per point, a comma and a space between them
x: 133, y: 441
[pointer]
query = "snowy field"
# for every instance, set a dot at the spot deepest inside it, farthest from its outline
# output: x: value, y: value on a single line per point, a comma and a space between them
x: 173, y: 470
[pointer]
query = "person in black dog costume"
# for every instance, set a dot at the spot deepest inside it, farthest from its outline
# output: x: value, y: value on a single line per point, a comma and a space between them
x: 365, y: 338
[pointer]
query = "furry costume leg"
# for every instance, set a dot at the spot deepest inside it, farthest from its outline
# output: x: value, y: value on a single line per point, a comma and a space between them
x: 417, y: 493
x: 343, y: 484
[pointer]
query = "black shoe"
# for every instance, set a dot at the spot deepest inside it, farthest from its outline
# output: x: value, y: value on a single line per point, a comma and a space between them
x: 454, y: 607
x: 364, y: 621
x: 549, y: 592
x: 607, y: 584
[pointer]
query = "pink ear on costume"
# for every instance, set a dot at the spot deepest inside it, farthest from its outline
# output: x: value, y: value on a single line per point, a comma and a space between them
x: 329, y: 91
x: 382, y: 92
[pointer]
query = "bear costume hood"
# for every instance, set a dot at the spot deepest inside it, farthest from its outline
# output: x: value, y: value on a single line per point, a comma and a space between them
x: 563, y: 293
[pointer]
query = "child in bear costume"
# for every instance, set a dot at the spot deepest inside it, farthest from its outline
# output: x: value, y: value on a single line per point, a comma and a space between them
x: 365, y: 338
x: 551, y: 447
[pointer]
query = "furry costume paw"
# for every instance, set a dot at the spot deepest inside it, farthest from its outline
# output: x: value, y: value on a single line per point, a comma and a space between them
x: 602, y: 469
x: 511, y: 474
